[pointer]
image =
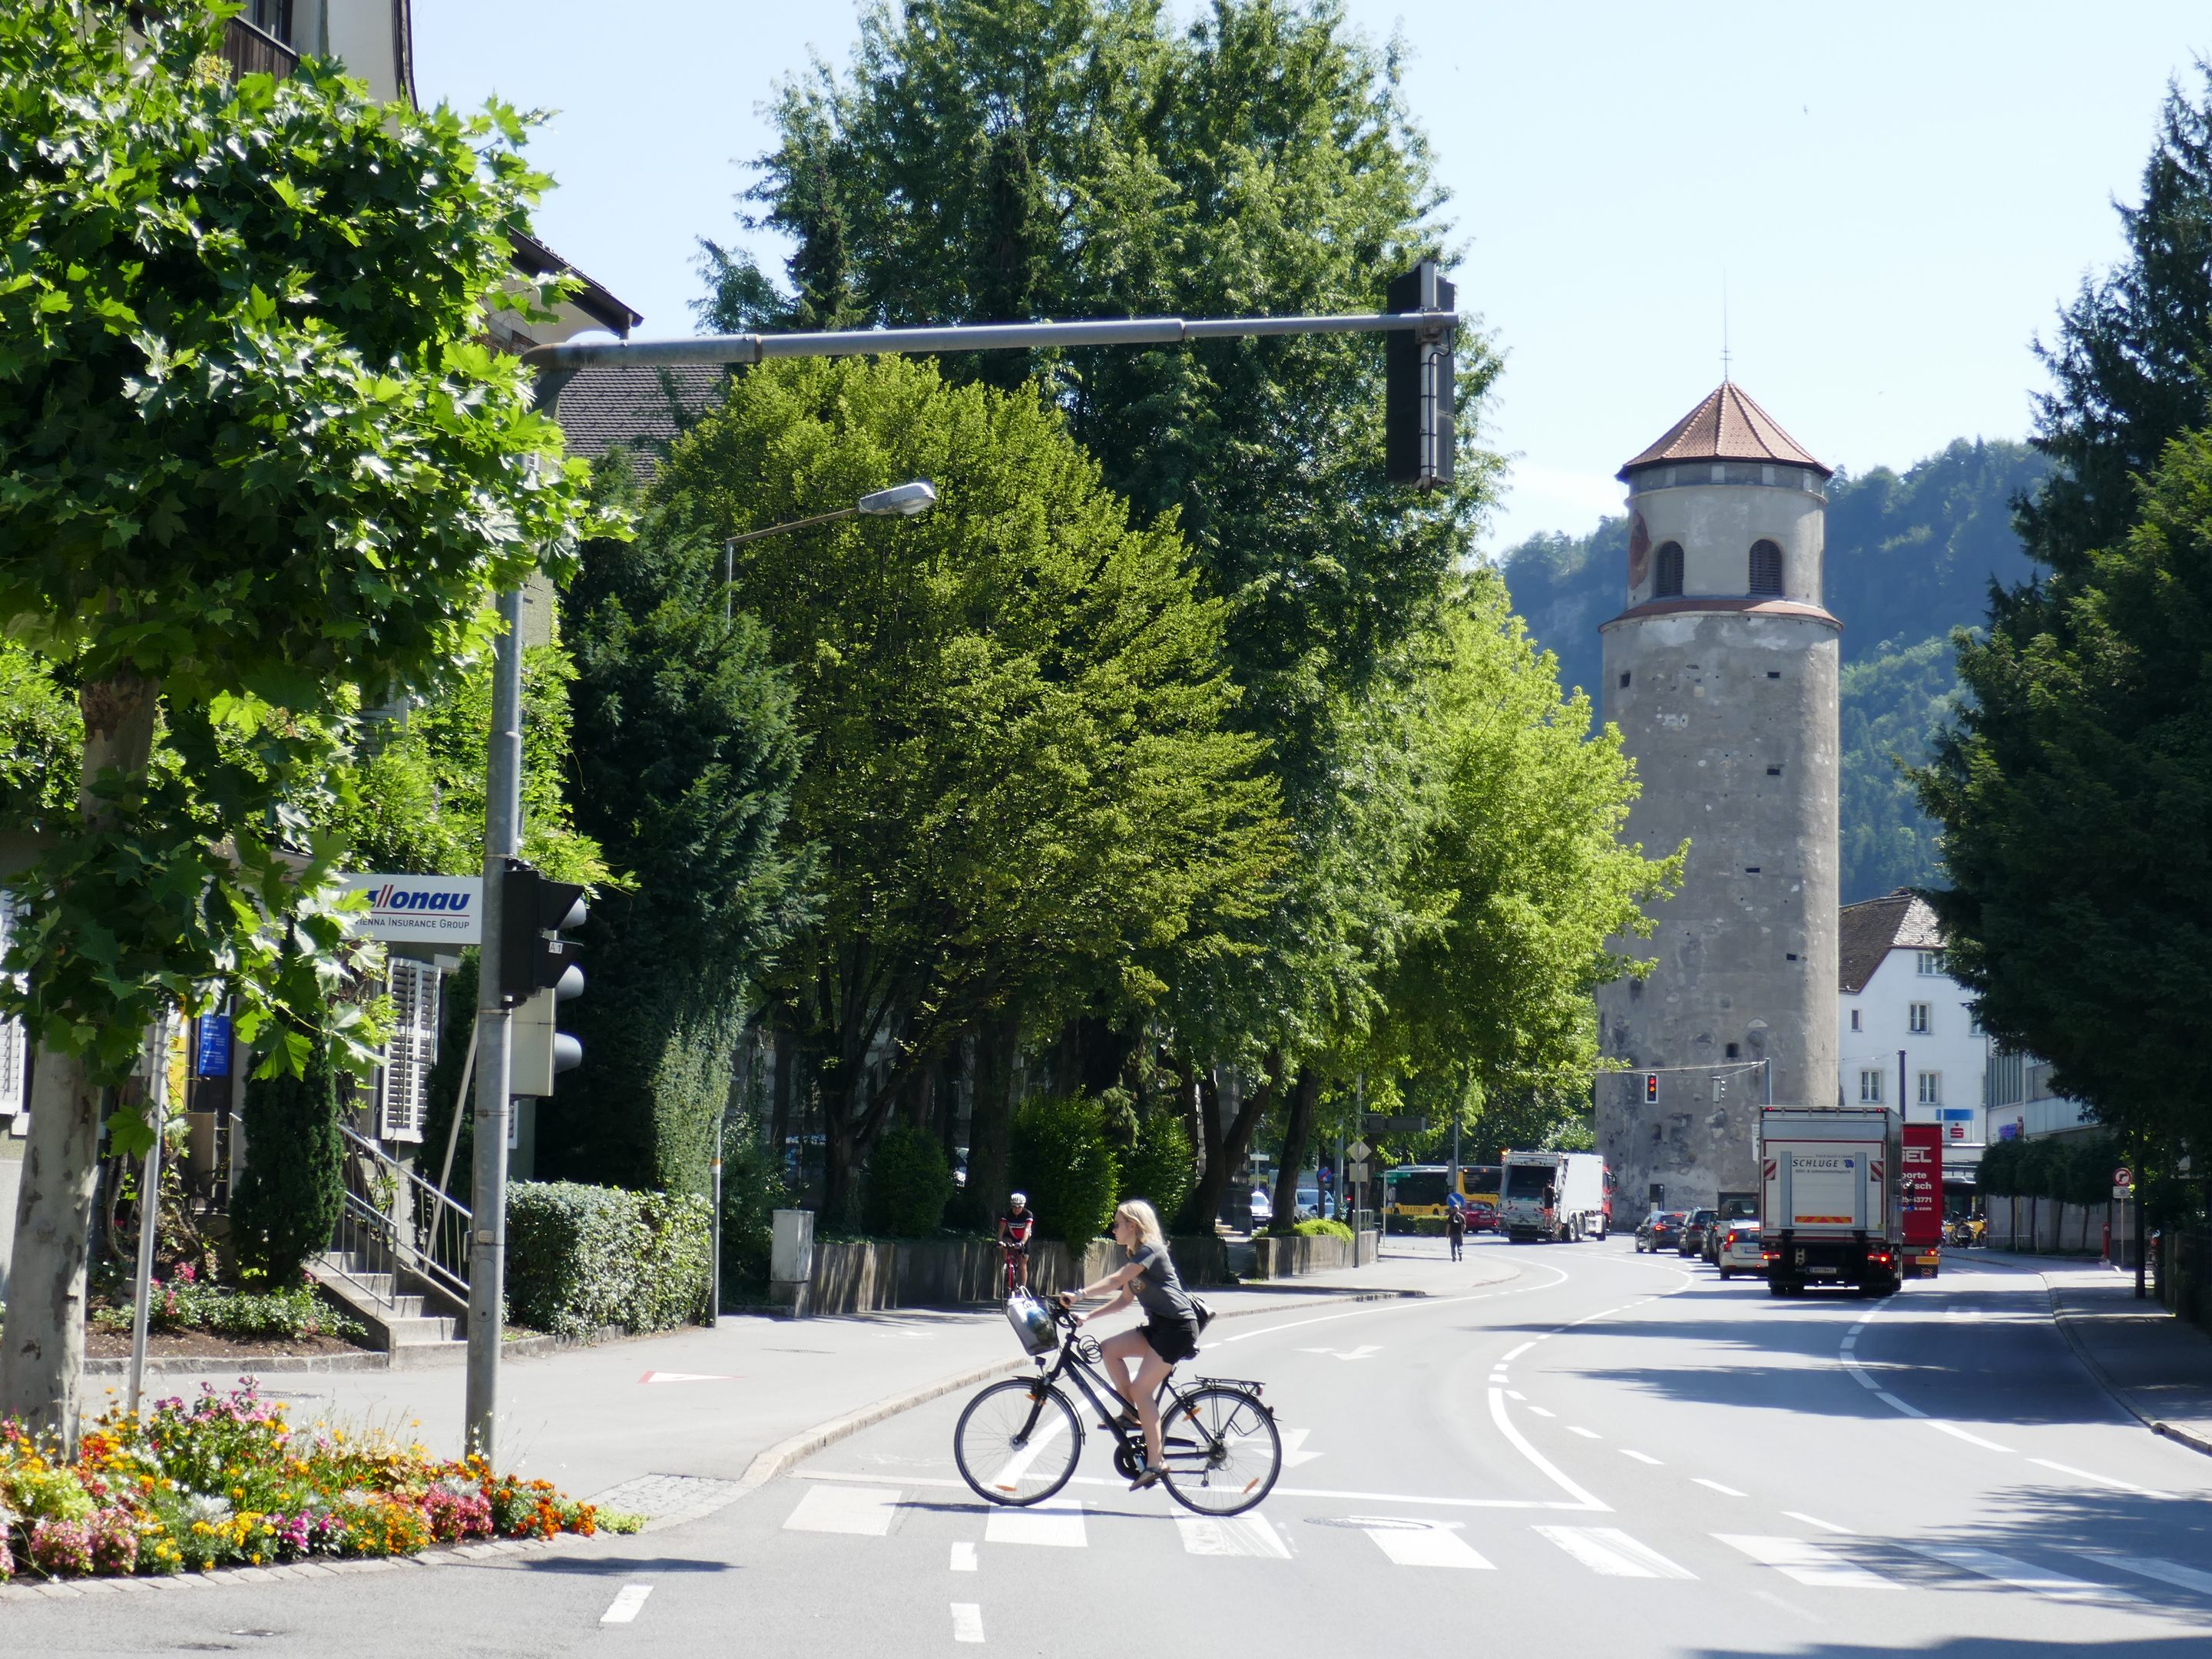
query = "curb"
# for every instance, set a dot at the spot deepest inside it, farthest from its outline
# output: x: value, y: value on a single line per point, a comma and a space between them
x: 780, y: 1457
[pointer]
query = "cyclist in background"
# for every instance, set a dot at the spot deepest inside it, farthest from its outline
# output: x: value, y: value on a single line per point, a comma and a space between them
x: 1015, y: 1228
x: 1168, y: 1333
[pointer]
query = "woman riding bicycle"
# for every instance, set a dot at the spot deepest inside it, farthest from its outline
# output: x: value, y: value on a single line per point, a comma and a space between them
x: 1168, y: 1333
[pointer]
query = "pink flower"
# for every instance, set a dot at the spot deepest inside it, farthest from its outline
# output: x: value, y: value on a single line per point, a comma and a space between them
x: 63, y: 1548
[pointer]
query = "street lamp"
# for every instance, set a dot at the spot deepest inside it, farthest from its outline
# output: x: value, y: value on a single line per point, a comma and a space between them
x: 904, y: 501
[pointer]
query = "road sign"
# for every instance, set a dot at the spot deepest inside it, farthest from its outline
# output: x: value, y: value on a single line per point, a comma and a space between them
x: 1357, y: 1172
x: 2123, y: 1177
x: 1383, y: 1124
x: 2122, y: 1195
x: 1359, y: 1151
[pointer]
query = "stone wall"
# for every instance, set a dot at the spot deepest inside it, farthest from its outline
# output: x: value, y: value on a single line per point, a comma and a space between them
x: 1286, y: 1258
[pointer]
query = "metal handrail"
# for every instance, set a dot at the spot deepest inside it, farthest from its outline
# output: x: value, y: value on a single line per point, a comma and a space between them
x: 393, y: 1215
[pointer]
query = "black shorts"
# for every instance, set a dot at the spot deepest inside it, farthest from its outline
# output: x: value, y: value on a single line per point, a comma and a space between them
x: 1172, y: 1340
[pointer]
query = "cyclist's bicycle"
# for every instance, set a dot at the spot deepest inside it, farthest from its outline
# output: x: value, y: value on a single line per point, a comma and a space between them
x: 1012, y: 1262
x: 1017, y: 1441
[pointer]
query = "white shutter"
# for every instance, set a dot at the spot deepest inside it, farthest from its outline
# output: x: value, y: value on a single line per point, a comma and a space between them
x: 403, y: 1083
x: 14, y: 1048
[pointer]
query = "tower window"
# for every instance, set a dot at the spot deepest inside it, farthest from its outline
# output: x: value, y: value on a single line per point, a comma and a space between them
x: 1773, y: 771
x: 1774, y: 673
x: 1732, y: 1051
x: 1765, y: 567
x: 1669, y: 584
x: 1623, y: 679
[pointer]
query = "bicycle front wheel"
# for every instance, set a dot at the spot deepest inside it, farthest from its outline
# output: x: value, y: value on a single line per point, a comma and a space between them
x: 1017, y: 1441
x: 1223, y: 1452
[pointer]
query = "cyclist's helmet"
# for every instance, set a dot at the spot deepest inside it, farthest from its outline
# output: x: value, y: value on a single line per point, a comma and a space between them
x: 1020, y: 1200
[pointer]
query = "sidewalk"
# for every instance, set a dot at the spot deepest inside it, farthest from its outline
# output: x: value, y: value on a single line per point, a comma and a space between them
x: 2158, y: 1366
x: 718, y: 1409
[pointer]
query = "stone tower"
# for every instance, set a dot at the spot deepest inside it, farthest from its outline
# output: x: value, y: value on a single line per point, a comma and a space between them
x: 1720, y: 673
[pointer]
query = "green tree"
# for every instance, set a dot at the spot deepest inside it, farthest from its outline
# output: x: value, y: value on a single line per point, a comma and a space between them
x: 1017, y: 782
x: 252, y: 454
x: 292, y: 1190
x: 685, y: 750
x: 2074, y: 791
x: 1064, y: 1161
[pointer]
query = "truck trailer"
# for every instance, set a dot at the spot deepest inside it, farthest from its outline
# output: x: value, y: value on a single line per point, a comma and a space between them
x: 1920, y: 1191
x: 1556, y: 1197
x: 1831, y: 1210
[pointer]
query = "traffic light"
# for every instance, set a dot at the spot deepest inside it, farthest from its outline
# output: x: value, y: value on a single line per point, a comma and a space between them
x: 1651, y: 1088
x: 1419, y: 386
x: 538, y: 970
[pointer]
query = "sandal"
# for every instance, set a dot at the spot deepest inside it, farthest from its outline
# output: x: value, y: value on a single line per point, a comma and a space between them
x: 1148, y: 1476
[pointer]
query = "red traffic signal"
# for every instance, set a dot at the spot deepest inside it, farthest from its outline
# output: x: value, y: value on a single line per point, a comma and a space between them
x: 1651, y: 1088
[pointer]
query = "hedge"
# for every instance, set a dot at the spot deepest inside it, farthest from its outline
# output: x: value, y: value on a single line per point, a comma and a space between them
x: 581, y: 1258
x: 1064, y: 1162
x: 909, y: 1184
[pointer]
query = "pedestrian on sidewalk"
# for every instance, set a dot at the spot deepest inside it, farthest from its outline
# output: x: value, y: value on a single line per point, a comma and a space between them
x: 1455, y: 1228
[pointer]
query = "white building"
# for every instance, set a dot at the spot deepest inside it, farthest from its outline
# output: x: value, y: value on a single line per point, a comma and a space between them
x: 1906, y: 1032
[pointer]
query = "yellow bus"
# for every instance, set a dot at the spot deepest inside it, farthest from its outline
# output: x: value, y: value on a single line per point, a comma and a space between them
x: 1418, y: 1189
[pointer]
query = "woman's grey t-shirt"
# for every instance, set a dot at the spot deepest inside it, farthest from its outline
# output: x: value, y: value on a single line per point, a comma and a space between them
x: 1159, y: 1289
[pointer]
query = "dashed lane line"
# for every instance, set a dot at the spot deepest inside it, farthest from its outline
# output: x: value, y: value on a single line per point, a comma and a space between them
x: 967, y: 1621
x: 1643, y: 1458
x: 1725, y: 1492
x: 624, y: 1608
x: 963, y: 1556
x: 1815, y: 1521
x: 2112, y: 1481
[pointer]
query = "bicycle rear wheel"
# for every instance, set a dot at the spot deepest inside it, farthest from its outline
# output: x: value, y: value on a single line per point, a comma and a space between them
x: 1222, y: 1452
x: 1017, y: 1441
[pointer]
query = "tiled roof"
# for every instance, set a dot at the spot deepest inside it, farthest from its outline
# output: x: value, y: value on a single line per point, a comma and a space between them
x: 1726, y: 427
x: 640, y: 409
x: 1871, y: 929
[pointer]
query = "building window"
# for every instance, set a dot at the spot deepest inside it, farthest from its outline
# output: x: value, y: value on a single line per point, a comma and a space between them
x: 1931, y: 1088
x: 1916, y: 1018
x: 1929, y: 964
x: 1765, y: 567
x: 1856, y: 1025
x: 402, y: 1082
x: 271, y: 17
x: 1623, y: 679
x: 1669, y: 584
x: 1870, y: 1087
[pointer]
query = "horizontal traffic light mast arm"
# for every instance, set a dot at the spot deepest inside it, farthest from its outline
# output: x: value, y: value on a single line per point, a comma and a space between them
x: 967, y: 337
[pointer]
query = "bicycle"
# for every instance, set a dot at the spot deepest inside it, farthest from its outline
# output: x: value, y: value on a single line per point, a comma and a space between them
x: 1012, y: 1261
x: 1017, y: 1441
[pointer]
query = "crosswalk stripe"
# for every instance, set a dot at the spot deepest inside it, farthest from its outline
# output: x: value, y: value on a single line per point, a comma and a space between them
x: 2019, y: 1574
x: 866, y: 1510
x: 1424, y: 1544
x: 1611, y: 1552
x: 1056, y: 1523
x: 963, y: 1556
x: 2167, y: 1573
x: 627, y: 1601
x: 1231, y: 1535
x: 967, y: 1621
x: 1808, y: 1564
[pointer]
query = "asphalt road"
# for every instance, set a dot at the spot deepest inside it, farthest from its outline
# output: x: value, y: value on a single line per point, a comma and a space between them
x: 1607, y: 1454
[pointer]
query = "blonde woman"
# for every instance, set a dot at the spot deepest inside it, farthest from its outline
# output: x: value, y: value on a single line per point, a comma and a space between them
x: 1168, y: 1333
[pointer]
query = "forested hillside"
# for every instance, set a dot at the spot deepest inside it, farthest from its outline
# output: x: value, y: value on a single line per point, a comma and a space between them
x: 1910, y: 557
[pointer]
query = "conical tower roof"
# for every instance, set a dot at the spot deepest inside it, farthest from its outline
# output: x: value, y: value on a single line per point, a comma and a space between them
x: 1727, y: 426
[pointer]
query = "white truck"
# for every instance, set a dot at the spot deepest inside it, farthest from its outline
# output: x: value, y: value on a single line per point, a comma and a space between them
x: 1557, y: 1197
x: 1831, y: 1208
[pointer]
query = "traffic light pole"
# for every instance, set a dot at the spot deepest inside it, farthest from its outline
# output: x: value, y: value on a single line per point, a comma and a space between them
x: 494, y: 1053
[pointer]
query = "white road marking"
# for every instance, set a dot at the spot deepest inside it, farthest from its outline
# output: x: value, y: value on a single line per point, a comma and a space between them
x: 1382, y: 1496
x: 1808, y: 1564
x: 1725, y: 1492
x: 1611, y: 1552
x: 1056, y: 1523
x: 1294, y: 1443
x: 1424, y: 1544
x: 1815, y: 1521
x: 967, y: 1622
x: 1538, y: 1411
x: 627, y: 1600
x: 1643, y: 1458
x: 1365, y: 1351
x: 1510, y: 1395
x: 1009, y: 1477
x: 1520, y: 1443
x: 2101, y: 1479
x: 1955, y: 1432
x: 963, y: 1558
x: 1897, y: 1405
x: 2167, y: 1573
x: 2020, y: 1575
x: 1249, y: 1535
x: 1517, y: 1353
x: 866, y: 1510
x: 903, y: 1480
x: 1587, y: 1434
x: 1398, y: 1305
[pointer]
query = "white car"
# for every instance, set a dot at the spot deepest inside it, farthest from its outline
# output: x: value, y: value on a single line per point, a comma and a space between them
x: 1738, y: 1251
x: 1263, y: 1208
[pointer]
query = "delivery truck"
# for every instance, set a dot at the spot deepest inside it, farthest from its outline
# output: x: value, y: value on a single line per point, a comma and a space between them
x: 1556, y: 1197
x: 1831, y: 1206
x: 1920, y: 1190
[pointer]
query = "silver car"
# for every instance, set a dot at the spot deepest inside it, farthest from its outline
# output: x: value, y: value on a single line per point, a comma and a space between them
x: 1739, y: 1248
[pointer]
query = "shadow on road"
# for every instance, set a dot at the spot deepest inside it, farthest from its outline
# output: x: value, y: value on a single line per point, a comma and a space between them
x: 1978, y: 1647
x: 597, y: 1567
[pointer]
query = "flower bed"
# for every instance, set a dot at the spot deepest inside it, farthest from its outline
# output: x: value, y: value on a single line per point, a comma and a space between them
x: 225, y: 1480
x: 185, y: 1303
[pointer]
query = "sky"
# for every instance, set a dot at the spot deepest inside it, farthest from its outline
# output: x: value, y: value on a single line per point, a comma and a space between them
x: 1882, y: 205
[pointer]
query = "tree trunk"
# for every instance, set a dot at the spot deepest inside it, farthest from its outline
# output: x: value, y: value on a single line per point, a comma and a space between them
x: 1305, y: 1106
x: 780, y: 1093
x: 42, y: 1351
x: 1224, y: 1159
x: 991, y: 1118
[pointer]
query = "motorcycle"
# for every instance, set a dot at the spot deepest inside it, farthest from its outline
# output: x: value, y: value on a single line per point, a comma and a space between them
x: 1967, y: 1231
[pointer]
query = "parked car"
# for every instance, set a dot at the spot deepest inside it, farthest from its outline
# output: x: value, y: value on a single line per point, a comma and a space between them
x: 1481, y: 1216
x: 1263, y: 1208
x: 1739, y: 1249
x: 1694, y: 1231
x: 1308, y: 1203
x: 1663, y: 1231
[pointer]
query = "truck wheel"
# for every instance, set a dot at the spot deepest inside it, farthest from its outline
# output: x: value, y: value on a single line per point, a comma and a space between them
x: 1777, y: 1287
